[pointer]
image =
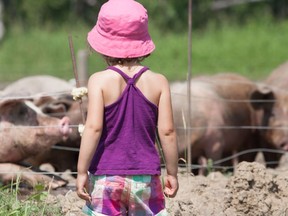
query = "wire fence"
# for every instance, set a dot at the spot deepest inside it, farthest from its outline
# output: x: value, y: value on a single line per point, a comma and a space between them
x: 215, y: 164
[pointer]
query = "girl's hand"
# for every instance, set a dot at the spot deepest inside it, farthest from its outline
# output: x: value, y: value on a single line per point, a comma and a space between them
x: 81, y: 184
x: 170, y: 186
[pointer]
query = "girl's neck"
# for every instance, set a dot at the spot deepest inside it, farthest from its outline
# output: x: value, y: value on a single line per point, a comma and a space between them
x: 129, y: 67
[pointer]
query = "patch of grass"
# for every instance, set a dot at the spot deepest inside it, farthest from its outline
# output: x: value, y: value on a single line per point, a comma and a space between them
x: 32, y: 205
x: 37, y: 52
x: 253, y: 50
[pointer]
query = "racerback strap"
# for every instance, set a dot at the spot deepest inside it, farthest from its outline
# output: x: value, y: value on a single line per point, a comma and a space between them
x: 128, y: 79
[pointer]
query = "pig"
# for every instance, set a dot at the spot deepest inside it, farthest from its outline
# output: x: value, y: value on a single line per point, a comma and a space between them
x: 52, y: 96
x: 278, y: 77
x: 272, y: 115
x: 217, y: 103
x: 62, y: 159
x: 26, y: 131
x: 39, y: 84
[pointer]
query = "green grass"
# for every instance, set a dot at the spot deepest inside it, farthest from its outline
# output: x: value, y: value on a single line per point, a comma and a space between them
x: 37, y: 52
x: 252, y: 50
x: 34, y: 204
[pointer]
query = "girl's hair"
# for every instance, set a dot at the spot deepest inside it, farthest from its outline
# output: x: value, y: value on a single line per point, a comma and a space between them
x: 113, y: 61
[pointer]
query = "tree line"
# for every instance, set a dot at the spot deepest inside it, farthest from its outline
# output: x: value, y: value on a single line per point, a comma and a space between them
x: 168, y: 15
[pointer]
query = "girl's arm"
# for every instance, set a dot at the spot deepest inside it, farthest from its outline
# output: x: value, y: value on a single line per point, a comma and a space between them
x: 167, y: 135
x: 91, y: 134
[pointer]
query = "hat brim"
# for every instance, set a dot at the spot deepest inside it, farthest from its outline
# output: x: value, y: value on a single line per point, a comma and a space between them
x: 120, y: 47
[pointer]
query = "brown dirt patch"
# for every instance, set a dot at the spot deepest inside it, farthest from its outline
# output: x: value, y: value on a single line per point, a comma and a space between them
x: 252, y: 190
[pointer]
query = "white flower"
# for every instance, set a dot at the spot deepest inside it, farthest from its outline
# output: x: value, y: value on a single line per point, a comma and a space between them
x: 81, y: 128
x: 78, y: 93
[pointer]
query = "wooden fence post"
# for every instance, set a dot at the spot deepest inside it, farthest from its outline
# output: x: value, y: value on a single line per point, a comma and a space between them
x: 2, y: 28
x: 189, y: 75
x: 82, y: 66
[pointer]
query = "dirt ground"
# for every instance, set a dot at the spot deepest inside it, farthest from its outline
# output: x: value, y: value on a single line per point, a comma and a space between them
x: 252, y: 190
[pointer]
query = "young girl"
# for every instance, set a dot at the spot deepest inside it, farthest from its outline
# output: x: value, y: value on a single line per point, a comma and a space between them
x: 119, y: 166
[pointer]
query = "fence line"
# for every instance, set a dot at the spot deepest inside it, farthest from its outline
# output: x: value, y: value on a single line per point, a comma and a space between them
x: 193, y: 98
x: 249, y: 151
x: 38, y: 173
x: 34, y: 127
x: 223, y: 82
x: 214, y: 165
x: 247, y: 127
x: 198, y: 98
x: 179, y: 128
x: 193, y: 166
x: 38, y: 95
x: 65, y: 148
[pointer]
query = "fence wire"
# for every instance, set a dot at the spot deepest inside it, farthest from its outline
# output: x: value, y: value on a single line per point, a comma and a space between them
x: 215, y: 164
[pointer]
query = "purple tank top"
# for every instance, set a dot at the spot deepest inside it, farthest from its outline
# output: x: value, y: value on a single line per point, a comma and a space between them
x: 127, y: 143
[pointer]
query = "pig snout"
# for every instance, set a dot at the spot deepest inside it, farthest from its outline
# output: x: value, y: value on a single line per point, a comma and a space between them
x: 64, y: 126
x: 60, y: 130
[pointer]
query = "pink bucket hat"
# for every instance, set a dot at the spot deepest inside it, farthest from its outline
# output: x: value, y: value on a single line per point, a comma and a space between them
x: 121, y: 30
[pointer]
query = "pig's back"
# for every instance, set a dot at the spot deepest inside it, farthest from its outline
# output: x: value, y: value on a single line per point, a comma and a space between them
x: 37, y: 84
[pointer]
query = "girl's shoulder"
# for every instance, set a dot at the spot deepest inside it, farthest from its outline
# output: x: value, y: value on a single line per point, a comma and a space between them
x: 98, y: 80
x: 157, y: 77
x: 102, y: 76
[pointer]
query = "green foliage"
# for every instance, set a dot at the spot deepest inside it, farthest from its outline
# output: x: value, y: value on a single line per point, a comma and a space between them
x: 252, y: 47
x: 56, y: 13
x: 34, y: 205
x: 201, y: 13
x: 168, y: 15
x: 253, y: 50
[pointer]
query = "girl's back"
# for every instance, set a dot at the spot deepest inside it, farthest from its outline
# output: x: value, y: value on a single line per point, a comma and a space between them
x: 119, y: 140
x: 113, y: 84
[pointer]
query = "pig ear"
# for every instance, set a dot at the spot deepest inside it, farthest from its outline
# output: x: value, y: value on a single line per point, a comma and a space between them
x: 4, y: 102
x: 67, y: 100
x: 262, y: 97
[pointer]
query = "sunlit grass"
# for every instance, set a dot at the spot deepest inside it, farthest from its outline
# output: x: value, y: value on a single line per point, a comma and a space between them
x: 34, y: 204
x: 252, y: 50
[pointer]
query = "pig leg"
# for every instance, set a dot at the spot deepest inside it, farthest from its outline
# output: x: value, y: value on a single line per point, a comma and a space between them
x: 214, y: 152
x: 273, y: 158
x: 202, y: 161
x: 235, y: 160
x: 9, y: 172
x: 59, y: 159
x: 37, y: 170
